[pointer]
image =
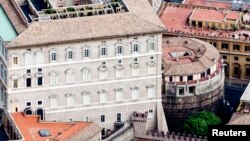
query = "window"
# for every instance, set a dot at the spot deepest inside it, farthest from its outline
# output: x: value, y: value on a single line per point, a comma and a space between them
x: 39, y: 102
x: 53, y: 55
x: 40, y: 70
x: 236, y: 47
x: 135, y: 48
x: 247, y: 48
x: 28, y: 104
x: 86, y: 99
x: 135, y: 93
x: 86, y: 53
x: 203, y: 74
x: 118, y: 95
x: 151, y: 92
x: 40, y: 81
x: 248, y: 72
x: 102, y: 118
x: 86, y: 74
x: 28, y: 58
x: 28, y: 82
x: 170, y: 78
x: 214, y: 44
x: 135, y: 60
x: 119, y: 61
x: 15, y: 60
x: 150, y: 113
x: 181, y: 91
x: 28, y: 71
x: 208, y: 72
x: 151, y: 46
x: 224, y: 57
x: 190, y: 77
x: 119, y: 72
x: 69, y: 76
x: 151, y: 57
x: 69, y: 54
x: 135, y: 71
x: 103, y: 97
x: 224, y: 46
x: 236, y: 58
x: 53, y: 102
x: 118, y: 117
x: 248, y: 59
x: 15, y: 83
x: 70, y: 100
x: 103, y: 74
x: 103, y: 51
x: 181, y: 78
x: 39, y: 58
x: 151, y: 69
x: 53, y: 78
x: 119, y: 50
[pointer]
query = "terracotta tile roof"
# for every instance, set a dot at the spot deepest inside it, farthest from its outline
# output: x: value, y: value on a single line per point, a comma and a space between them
x: 180, y: 24
x: 217, y: 4
x: 133, y: 22
x: 240, y: 119
x: 30, y: 126
x: 207, y: 15
x: 233, y: 15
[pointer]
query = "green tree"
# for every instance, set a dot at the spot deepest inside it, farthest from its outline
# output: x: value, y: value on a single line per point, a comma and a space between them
x: 197, y: 124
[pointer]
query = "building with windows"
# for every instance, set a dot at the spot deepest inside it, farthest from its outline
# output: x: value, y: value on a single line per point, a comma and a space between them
x: 83, y: 68
x: 193, y: 79
x: 3, y: 74
x: 226, y: 30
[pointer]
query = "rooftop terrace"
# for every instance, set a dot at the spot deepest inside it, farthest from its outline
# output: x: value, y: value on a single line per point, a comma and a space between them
x: 176, y: 18
x: 39, y: 10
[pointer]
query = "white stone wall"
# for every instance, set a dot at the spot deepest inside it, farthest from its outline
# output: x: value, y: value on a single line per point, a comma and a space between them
x: 19, y: 96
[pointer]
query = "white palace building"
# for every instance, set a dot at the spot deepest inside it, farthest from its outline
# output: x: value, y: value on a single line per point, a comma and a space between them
x: 97, y: 62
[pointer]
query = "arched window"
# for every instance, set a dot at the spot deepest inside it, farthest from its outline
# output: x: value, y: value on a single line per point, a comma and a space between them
x: 53, y: 101
x: 226, y: 67
x: 28, y: 58
x: 236, y: 70
x: 118, y: 94
x: 135, y: 93
x: 247, y: 70
x: 151, y: 44
x: 53, y: 78
x: 69, y: 54
x: 135, y: 70
x: 103, y: 72
x: 40, y: 112
x: 39, y: 57
x: 53, y: 55
x: 86, y: 98
x: 119, y: 70
x: 70, y: 76
x: 70, y: 100
x: 151, y: 67
x: 151, y: 91
x: 103, y: 96
x: 86, y: 74
x: 135, y: 47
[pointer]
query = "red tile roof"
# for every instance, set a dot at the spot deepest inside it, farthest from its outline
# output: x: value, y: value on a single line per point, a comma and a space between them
x: 233, y: 15
x: 175, y: 18
x: 207, y: 15
x: 217, y: 4
x: 30, y: 126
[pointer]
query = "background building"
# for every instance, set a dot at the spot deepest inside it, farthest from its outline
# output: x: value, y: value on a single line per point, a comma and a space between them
x: 98, y: 67
x: 224, y: 29
x: 193, y: 79
x: 3, y: 74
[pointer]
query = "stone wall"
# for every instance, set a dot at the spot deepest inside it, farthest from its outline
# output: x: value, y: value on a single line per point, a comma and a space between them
x: 177, y: 109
